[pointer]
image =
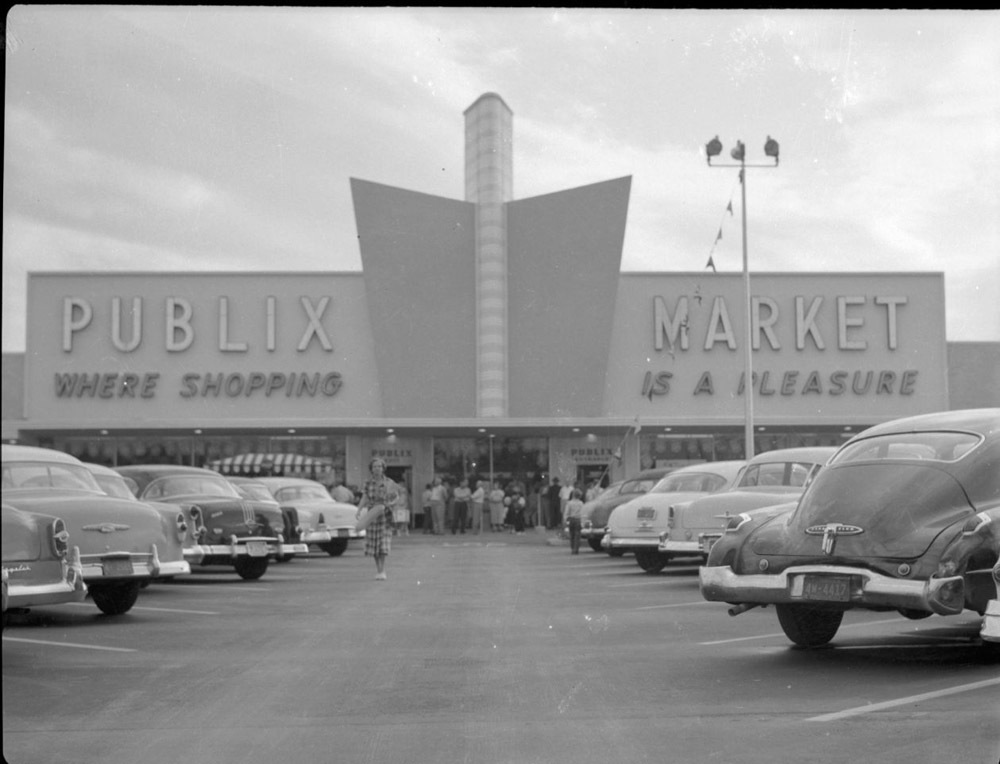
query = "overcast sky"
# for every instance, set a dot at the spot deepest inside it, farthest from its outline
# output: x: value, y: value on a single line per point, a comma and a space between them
x: 200, y: 138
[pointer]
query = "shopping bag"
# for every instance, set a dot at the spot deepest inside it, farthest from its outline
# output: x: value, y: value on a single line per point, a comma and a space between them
x: 369, y: 515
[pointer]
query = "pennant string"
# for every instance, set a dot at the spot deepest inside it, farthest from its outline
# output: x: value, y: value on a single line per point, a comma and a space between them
x: 718, y: 236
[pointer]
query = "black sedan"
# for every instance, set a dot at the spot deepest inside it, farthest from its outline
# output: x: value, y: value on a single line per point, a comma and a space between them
x: 223, y: 528
x: 903, y: 518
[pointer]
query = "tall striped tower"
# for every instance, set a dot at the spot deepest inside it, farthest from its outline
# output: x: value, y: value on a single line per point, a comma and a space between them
x: 489, y: 170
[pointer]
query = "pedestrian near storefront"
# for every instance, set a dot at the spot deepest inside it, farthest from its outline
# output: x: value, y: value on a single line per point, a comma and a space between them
x: 461, y: 510
x: 478, y: 505
x: 497, y: 509
x: 380, y: 494
x: 401, y: 512
x: 439, y: 496
x: 426, y: 504
x: 574, y: 511
x: 552, y: 511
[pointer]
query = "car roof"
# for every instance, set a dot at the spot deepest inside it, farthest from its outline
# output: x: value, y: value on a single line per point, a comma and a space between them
x: 16, y: 453
x: 100, y: 469
x: 287, y: 481
x: 725, y: 466
x: 814, y: 454
x: 983, y: 421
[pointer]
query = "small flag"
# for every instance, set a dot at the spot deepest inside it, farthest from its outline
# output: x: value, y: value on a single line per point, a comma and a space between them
x: 718, y: 236
x: 710, y: 264
x: 729, y: 207
x: 637, y: 426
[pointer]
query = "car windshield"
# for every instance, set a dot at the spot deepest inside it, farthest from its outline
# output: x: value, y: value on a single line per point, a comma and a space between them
x: 295, y: 492
x: 638, y: 485
x: 934, y: 446
x: 699, y: 482
x: 611, y: 490
x: 777, y: 474
x: 190, y: 485
x: 254, y: 491
x: 114, y: 485
x: 49, y: 475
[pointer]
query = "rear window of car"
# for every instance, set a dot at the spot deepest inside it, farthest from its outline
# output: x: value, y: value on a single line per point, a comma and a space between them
x: 190, y: 485
x: 777, y: 473
x: 639, y: 485
x: 707, y: 482
x: 910, y: 446
x: 49, y: 475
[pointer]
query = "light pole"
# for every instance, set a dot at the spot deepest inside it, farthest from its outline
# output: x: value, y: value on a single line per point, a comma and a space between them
x: 712, y: 149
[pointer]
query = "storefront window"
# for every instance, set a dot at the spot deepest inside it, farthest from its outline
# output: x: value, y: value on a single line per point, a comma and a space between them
x: 514, y: 460
x: 662, y: 449
x: 319, y: 453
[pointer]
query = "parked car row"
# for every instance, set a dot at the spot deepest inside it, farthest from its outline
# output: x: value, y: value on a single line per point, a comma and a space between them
x: 73, y: 530
x: 903, y: 517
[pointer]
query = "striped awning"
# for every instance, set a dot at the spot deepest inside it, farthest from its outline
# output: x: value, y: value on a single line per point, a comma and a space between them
x: 270, y: 464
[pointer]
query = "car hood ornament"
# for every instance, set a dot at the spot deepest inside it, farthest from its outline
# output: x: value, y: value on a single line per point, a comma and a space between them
x: 830, y: 531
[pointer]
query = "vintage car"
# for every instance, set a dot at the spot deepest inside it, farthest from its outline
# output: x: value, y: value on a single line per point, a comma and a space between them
x: 174, y: 521
x: 595, y: 514
x: 636, y: 525
x: 252, y: 488
x: 122, y: 543
x: 903, y: 517
x: 774, y: 477
x: 311, y: 514
x: 39, y: 567
x: 223, y: 528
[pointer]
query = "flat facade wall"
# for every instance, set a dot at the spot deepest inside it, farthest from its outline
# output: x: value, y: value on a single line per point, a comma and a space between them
x: 286, y: 350
x: 827, y: 348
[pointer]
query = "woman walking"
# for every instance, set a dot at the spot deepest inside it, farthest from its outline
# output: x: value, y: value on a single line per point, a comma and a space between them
x: 379, y: 493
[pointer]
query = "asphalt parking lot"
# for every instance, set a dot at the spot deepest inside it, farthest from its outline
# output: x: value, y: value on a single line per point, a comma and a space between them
x: 484, y: 649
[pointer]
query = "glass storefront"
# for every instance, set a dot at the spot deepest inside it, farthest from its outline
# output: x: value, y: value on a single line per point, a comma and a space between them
x: 524, y: 461
x: 665, y: 449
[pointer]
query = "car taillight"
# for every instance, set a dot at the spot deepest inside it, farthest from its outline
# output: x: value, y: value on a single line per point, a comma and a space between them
x: 60, y: 538
x: 736, y: 522
x: 976, y: 523
x: 199, y: 529
x: 670, y: 517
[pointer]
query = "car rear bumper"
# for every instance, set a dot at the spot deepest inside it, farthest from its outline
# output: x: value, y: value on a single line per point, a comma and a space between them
x: 943, y: 596
x: 122, y: 565
x: 252, y: 546
x: 991, y: 622
x: 286, y: 549
x: 70, y: 588
x: 610, y: 541
x: 679, y: 547
x: 315, y: 537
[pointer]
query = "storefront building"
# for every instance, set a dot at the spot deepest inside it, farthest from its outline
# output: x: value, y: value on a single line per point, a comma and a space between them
x: 488, y: 337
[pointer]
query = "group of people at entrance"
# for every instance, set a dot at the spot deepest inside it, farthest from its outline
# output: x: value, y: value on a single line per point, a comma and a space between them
x: 462, y: 508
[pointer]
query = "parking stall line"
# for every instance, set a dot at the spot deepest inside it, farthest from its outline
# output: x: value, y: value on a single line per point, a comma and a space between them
x: 782, y: 634
x: 873, y: 707
x: 70, y: 644
x: 675, y: 604
x: 153, y: 609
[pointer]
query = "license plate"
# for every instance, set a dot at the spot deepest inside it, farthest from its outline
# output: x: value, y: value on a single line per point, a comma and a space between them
x: 257, y: 548
x: 827, y: 588
x: 117, y: 568
x: 646, y: 513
